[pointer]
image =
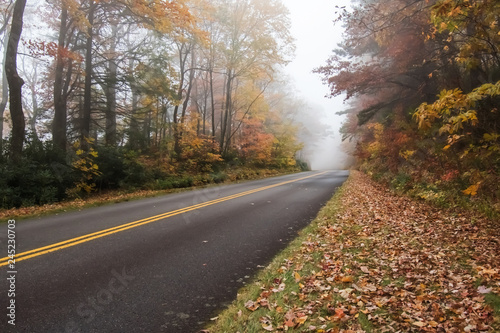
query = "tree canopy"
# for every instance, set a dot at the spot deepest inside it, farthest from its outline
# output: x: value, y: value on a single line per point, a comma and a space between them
x: 116, y: 89
x: 423, y: 81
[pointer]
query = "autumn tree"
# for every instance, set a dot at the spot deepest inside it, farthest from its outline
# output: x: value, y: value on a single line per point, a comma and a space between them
x: 422, y: 79
x: 210, y: 57
x: 384, y: 57
x: 60, y: 93
x: 6, y: 13
x: 15, y: 81
x: 256, y: 38
x: 472, y: 32
x: 465, y: 113
x: 67, y: 61
x: 186, y: 61
x: 167, y: 86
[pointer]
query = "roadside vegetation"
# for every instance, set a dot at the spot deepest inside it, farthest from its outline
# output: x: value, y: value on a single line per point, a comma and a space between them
x: 152, y: 184
x: 124, y: 96
x: 422, y: 79
x: 377, y: 261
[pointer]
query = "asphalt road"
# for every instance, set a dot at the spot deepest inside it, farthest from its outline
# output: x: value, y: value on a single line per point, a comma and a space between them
x: 164, y: 264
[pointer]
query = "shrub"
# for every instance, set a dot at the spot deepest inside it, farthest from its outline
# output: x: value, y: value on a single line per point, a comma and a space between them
x: 111, y: 162
x: 400, y: 182
x: 85, y: 167
x: 219, y: 177
x: 302, y: 165
x: 41, y: 177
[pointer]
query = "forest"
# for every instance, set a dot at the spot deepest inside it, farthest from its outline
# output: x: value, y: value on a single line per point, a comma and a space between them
x: 135, y: 94
x: 421, y: 78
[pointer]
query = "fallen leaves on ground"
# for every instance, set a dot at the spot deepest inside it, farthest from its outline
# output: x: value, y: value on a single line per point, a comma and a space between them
x: 386, y: 263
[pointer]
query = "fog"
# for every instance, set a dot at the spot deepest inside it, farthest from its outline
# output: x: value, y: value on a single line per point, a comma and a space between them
x: 316, y: 36
x: 323, y: 146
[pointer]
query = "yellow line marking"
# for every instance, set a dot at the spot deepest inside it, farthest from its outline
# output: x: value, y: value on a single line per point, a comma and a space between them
x: 98, y: 234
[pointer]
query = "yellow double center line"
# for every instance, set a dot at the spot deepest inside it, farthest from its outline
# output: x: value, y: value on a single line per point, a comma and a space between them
x: 98, y: 234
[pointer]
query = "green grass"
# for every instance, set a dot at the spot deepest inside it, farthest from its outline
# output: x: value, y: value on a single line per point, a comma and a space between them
x: 366, y: 325
x: 493, y: 300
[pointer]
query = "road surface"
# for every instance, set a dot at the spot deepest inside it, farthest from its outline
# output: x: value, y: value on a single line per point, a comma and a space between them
x: 164, y: 264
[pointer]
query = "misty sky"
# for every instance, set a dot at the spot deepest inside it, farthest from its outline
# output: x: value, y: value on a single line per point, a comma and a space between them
x: 316, y: 36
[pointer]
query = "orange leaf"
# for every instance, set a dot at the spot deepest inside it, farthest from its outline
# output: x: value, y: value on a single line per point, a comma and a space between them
x: 347, y: 279
x: 471, y: 190
x: 301, y: 320
x: 339, y: 314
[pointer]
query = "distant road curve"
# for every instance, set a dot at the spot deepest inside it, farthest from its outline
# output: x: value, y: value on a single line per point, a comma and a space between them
x: 164, y: 264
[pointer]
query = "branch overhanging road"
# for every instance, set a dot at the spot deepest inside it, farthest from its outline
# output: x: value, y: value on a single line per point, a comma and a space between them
x: 163, y: 264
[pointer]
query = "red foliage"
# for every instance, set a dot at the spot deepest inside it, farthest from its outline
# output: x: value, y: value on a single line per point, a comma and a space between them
x: 255, y: 144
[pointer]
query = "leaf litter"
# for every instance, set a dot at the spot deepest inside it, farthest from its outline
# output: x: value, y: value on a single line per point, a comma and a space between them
x: 381, y: 262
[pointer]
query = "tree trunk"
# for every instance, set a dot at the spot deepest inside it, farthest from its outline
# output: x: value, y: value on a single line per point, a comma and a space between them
x: 87, y: 94
x: 177, y: 135
x: 5, y: 84
x: 134, y: 132
x: 176, y: 120
x: 227, y: 110
x: 59, y: 122
x: 34, y: 101
x: 15, y: 81
x: 189, y: 89
x: 5, y: 96
x: 212, y: 101
x: 111, y: 137
x: 205, y: 107
x: 190, y: 83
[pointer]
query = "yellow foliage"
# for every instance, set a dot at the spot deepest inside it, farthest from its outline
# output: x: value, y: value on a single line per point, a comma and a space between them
x: 84, y: 164
x: 472, y: 190
x: 199, y: 153
x: 377, y: 128
x: 454, y: 109
x: 453, y: 16
x: 407, y: 154
x: 375, y: 146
